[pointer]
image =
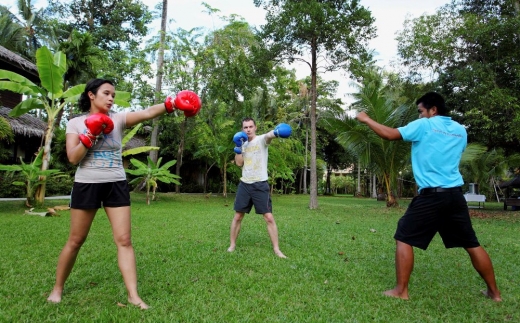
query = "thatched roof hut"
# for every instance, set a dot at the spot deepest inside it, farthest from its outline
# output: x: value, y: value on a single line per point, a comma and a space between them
x: 135, y: 142
x: 24, y: 125
x: 15, y: 63
x: 18, y: 64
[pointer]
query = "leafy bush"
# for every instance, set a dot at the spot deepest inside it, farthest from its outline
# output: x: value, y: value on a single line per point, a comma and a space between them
x: 7, y: 189
x: 59, y: 186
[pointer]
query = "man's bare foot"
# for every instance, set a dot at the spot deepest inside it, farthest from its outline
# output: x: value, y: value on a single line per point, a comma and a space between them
x: 55, y: 296
x: 491, y: 295
x: 231, y: 249
x: 137, y: 301
x: 279, y: 254
x: 396, y: 294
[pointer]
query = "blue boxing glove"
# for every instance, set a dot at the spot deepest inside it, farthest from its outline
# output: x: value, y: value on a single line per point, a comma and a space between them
x: 283, y: 130
x: 239, y: 138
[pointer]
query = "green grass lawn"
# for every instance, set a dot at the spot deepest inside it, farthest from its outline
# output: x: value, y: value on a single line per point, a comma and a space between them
x: 341, y: 257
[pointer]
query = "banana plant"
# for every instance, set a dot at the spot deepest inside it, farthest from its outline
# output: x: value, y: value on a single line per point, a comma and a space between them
x: 51, y: 96
x: 34, y: 175
x: 136, y: 150
x: 152, y: 173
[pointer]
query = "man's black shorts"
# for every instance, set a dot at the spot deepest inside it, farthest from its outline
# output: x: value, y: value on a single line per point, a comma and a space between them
x: 257, y: 194
x: 96, y: 195
x: 443, y: 212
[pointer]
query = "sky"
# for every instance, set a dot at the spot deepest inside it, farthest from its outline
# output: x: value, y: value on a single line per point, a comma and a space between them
x: 389, y: 17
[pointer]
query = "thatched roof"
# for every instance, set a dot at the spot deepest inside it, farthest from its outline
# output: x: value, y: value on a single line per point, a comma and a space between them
x: 135, y: 142
x: 515, y: 182
x: 24, y: 125
x: 17, y: 60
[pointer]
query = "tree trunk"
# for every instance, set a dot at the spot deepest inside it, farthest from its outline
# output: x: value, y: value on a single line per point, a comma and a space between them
x: 154, y: 154
x: 327, y: 182
x: 313, y: 203
x: 180, y: 152
x: 374, y: 186
x: 390, y: 197
x: 306, y: 166
x: 358, y: 189
x: 224, y: 176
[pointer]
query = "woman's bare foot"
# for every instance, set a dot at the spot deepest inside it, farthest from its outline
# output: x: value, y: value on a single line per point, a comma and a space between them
x: 396, y: 294
x: 55, y: 296
x: 231, y: 249
x: 491, y: 295
x: 279, y: 254
x: 137, y: 301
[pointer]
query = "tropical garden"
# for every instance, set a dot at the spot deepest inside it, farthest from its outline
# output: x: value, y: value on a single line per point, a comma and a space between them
x: 467, y: 50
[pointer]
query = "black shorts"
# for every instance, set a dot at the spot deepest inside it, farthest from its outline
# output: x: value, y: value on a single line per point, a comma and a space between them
x: 96, y: 195
x: 443, y: 212
x: 257, y: 194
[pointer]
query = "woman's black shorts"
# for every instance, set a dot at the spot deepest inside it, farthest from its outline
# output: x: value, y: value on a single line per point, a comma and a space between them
x: 96, y: 195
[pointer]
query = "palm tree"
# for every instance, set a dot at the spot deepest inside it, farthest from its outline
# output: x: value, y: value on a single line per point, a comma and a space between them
x: 385, y: 157
x: 152, y: 173
x: 83, y: 57
x: 29, y: 20
x: 486, y: 168
x: 12, y: 34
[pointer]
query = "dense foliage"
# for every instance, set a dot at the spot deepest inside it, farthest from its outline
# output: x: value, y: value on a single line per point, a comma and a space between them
x: 468, y: 47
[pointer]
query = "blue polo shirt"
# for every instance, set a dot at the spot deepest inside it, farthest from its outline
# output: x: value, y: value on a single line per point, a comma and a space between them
x: 437, y: 146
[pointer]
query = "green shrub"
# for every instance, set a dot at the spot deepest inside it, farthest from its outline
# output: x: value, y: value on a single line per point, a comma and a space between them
x: 59, y: 186
x: 7, y: 189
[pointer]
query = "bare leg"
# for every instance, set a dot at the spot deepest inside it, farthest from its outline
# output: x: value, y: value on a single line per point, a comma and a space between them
x: 121, y: 228
x: 482, y: 264
x: 404, y: 259
x: 80, y: 223
x: 235, y: 230
x: 273, y: 233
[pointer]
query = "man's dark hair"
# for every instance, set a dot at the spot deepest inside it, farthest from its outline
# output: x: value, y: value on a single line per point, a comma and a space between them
x: 433, y: 99
x: 248, y: 119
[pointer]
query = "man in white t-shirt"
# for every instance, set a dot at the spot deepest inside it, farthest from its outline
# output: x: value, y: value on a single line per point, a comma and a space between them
x: 253, y: 189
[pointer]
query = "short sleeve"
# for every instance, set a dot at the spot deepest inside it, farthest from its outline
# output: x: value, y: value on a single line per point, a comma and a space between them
x: 413, y: 131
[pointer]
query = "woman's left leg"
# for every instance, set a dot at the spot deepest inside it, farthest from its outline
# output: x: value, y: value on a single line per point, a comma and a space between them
x: 119, y: 218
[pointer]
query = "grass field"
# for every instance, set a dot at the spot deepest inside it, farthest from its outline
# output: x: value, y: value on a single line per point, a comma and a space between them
x: 341, y: 257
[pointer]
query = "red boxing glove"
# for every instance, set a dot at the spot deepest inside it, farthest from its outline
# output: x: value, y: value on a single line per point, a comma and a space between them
x: 187, y: 101
x: 191, y: 113
x: 96, y: 124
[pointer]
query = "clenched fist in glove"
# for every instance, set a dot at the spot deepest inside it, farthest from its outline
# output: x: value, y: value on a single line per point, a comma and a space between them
x: 96, y: 124
x: 283, y: 130
x: 186, y: 101
x: 239, y: 138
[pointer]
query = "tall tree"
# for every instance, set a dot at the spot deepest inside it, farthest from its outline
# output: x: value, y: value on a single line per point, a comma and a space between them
x: 471, y: 46
x: 338, y: 31
x: 159, y: 78
x: 118, y: 27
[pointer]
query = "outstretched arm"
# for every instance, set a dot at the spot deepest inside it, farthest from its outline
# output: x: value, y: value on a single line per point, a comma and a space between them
x: 282, y: 130
x: 135, y: 117
x: 185, y: 100
x: 380, y: 130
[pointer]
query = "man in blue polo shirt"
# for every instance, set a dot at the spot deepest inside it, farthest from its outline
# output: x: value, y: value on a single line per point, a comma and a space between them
x: 437, y: 146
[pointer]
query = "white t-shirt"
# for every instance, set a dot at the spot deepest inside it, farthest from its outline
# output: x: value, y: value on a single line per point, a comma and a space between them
x: 255, y: 157
x: 103, y: 162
